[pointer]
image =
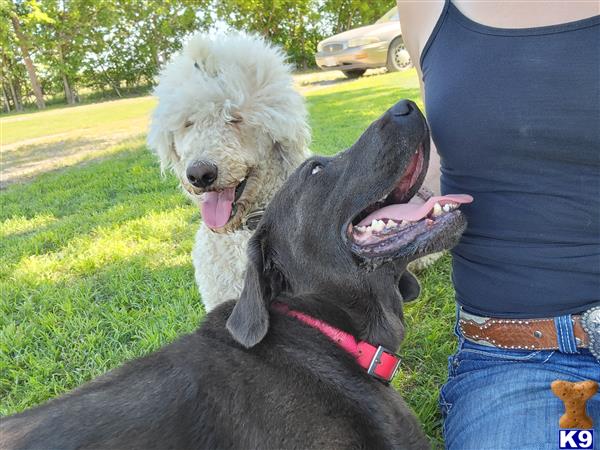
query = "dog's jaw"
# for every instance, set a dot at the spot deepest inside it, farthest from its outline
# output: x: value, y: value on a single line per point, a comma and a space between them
x: 258, y: 192
x: 243, y: 206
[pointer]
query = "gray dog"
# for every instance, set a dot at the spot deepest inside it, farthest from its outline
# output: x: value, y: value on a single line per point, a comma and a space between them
x: 274, y: 370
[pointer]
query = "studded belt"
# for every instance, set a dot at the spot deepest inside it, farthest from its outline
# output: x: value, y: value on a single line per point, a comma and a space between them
x: 531, y: 334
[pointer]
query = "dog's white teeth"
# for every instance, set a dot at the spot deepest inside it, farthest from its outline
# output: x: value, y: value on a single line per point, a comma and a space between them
x: 437, y: 210
x: 377, y: 225
x: 365, y: 231
x: 450, y: 207
x: 361, y: 229
x: 391, y: 224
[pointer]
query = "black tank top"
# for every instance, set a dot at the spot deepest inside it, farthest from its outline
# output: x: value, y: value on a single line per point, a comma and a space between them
x: 515, y: 116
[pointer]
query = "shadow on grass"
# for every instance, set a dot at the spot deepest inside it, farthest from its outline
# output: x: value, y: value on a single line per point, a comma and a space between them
x: 106, y: 193
x: 30, y: 153
x: 94, y: 270
x: 24, y: 162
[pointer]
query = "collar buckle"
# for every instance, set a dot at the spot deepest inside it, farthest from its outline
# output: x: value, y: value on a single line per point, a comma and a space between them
x: 376, y: 361
x: 253, y: 219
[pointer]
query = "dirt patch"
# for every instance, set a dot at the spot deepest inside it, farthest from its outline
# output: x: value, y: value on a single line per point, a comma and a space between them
x: 24, y: 160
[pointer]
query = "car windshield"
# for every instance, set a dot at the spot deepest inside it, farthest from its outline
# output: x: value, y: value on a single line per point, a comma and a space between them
x: 389, y: 16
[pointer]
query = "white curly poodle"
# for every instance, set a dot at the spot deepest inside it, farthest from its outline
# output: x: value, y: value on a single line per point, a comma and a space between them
x: 231, y: 126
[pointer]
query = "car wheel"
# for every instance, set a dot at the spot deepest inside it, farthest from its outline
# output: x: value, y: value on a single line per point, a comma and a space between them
x: 354, y: 73
x: 398, y: 58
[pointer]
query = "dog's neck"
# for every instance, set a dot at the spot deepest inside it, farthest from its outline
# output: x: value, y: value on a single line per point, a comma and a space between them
x: 370, y: 318
x: 276, y: 172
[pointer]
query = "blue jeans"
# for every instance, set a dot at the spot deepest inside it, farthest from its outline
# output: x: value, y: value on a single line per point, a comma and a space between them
x: 501, y: 399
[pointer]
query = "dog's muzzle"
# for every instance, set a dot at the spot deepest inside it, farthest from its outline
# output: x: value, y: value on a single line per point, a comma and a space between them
x: 552, y: 333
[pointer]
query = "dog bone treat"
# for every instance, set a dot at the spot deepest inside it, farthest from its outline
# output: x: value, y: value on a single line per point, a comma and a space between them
x: 574, y: 396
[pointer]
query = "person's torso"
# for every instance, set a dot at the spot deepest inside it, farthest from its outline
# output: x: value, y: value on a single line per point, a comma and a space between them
x: 515, y: 115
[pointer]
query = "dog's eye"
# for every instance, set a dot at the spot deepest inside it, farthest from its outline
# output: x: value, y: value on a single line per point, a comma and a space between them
x: 316, y: 169
x: 188, y: 123
x: 235, y: 120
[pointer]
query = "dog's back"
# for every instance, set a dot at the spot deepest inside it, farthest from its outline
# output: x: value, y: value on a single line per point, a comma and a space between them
x: 296, y: 389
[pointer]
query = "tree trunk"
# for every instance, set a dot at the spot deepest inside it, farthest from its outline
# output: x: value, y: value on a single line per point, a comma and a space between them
x: 303, y: 44
x: 350, y: 16
x: 15, y: 96
x: 68, y: 91
x: 35, y: 84
x: 5, y: 100
x: 69, y: 97
x: 339, y: 22
x: 18, y: 96
x: 112, y: 83
x: 12, y: 92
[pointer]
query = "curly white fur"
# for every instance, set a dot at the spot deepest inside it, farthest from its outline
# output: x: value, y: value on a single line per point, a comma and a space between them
x: 230, y: 102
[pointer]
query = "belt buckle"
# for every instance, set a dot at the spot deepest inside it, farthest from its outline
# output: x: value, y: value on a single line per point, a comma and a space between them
x: 590, y: 321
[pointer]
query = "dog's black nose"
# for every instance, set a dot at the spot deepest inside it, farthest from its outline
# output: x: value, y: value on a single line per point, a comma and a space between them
x: 403, y: 108
x: 202, y: 174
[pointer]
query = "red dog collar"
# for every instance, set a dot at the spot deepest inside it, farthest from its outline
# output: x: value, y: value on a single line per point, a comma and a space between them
x: 379, y: 362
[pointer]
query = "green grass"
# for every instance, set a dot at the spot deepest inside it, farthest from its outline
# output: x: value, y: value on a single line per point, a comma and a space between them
x: 56, y: 121
x: 95, y: 264
x: 340, y: 114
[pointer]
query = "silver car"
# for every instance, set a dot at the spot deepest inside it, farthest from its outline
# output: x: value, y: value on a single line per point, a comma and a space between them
x: 355, y: 51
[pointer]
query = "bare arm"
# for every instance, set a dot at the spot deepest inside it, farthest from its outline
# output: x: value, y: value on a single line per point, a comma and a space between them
x: 417, y: 19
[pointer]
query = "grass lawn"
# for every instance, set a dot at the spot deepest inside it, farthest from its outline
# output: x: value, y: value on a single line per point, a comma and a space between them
x: 49, y: 140
x: 95, y: 264
x: 107, y: 115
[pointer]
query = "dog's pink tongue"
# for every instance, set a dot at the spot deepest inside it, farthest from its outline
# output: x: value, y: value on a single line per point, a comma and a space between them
x: 216, y: 207
x: 413, y: 211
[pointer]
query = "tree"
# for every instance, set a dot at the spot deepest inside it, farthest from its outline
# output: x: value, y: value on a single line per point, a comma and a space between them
x: 60, y: 46
x: 137, y: 37
x: 11, y: 78
x: 25, y: 16
x: 292, y: 24
x: 11, y: 74
x: 348, y: 14
x: 62, y: 39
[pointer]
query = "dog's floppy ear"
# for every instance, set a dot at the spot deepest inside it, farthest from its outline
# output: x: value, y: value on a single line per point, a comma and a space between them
x: 249, y: 320
x: 409, y: 286
x: 161, y: 141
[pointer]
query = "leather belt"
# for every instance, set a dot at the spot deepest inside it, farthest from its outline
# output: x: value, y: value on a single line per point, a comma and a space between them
x: 521, y: 334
